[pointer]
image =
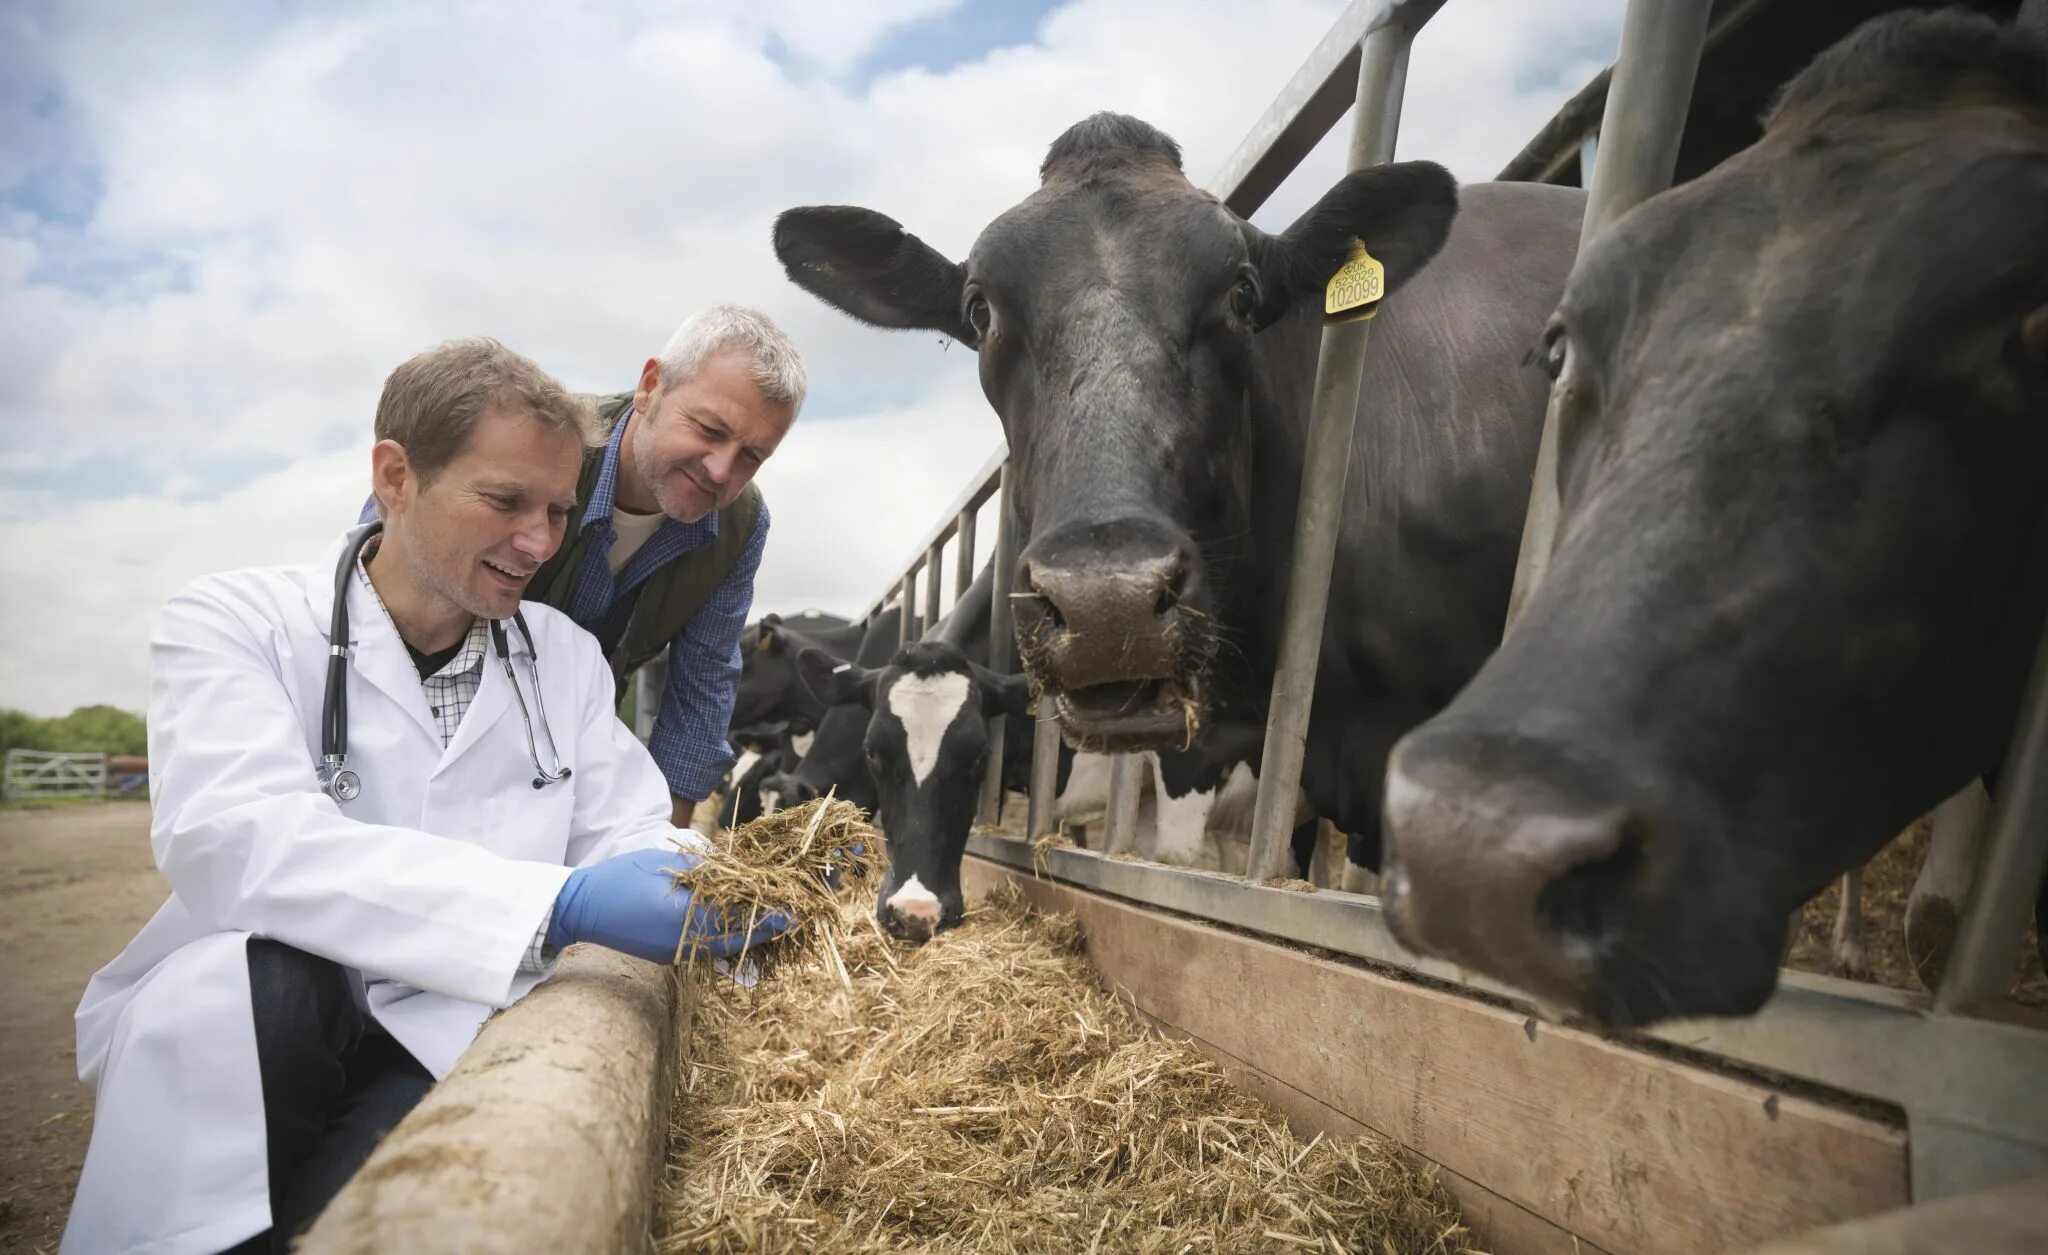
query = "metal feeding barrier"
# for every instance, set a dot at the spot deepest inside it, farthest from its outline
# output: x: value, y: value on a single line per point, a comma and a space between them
x: 1969, y: 1086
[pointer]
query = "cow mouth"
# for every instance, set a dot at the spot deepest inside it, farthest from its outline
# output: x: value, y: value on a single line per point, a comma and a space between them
x: 1127, y: 715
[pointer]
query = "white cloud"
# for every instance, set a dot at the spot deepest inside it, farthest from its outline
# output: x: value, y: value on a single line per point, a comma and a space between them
x: 297, y: 207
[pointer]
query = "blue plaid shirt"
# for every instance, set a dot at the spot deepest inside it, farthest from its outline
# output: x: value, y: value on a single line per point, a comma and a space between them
x: 688, y: 741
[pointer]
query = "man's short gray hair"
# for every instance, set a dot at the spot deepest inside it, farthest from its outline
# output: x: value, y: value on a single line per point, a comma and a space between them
x: 777, y: 367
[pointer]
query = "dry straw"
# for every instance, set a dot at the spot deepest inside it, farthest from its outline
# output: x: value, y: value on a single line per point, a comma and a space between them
x: 790, y: 862
x: 981, y: 1093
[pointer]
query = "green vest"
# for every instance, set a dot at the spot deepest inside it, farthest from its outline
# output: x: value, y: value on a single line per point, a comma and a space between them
x: 672, y: 594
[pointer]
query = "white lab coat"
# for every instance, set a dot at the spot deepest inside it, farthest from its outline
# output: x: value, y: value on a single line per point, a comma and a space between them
x: 429, y: 886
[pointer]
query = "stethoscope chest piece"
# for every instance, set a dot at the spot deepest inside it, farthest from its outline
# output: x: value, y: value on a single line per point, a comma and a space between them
x: 347, y: 786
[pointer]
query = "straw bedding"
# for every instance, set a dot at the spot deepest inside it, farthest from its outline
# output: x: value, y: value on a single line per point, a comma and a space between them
x: 980, y: 1093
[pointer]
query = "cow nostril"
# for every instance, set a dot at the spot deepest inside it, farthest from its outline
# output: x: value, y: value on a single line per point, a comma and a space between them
x: 1583, y: 903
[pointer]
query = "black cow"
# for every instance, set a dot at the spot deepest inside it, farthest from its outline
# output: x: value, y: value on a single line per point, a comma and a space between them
x: 925, y: 746
x: 768, y: 690
x: 1152, y: 356
x: 1802, y: 558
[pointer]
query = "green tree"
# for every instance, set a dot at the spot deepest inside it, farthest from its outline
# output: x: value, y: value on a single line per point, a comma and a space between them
x: 107, y: 729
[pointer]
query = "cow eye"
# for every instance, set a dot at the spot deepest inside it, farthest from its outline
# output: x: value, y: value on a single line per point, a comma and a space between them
x: 977, y: 313
x: 1244, y: 298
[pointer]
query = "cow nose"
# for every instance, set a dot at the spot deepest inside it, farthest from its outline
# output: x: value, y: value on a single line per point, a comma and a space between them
x: 1100, y: 602
x: 912, y: 913
x: 1503, y: 857
x: 905, y: 926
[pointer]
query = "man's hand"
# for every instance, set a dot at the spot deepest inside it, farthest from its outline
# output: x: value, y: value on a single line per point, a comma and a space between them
x: 630, y: 903
x: 681, y: 810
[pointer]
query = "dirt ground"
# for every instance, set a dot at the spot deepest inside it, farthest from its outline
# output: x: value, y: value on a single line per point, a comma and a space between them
x: 75, y: 884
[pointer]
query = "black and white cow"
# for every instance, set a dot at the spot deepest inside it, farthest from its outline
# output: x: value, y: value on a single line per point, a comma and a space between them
x: 925, y: 746
x: 1152, y: 355
x: 765, y: 751
x: 768, y: 690
x: 1802, y: 554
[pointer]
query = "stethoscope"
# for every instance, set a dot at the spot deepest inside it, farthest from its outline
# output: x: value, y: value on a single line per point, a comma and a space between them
x: 337, y: 779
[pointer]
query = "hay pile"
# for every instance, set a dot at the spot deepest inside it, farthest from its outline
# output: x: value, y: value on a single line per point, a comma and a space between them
x: 800, y: 861
x: 979, y: 1094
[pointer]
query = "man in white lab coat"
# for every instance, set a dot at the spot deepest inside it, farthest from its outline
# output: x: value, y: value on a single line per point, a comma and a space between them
x: 328, y: 950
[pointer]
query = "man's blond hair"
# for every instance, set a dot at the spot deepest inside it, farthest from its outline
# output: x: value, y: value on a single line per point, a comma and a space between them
x: 432, y: 401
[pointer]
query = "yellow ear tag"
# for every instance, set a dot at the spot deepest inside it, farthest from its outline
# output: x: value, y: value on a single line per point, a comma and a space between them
x: 1355, y: 290
x: 763, y: 643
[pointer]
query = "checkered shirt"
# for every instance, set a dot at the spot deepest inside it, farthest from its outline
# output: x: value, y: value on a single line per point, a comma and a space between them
x: 449, y: 693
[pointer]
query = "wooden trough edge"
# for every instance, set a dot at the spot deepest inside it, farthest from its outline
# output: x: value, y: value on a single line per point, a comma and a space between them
x: 1545, y: 1134
x: 550, y: 1134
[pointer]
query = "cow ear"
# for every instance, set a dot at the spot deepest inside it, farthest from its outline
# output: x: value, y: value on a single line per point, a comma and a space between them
x: 1401, y: 213
x: 1001, y: 694
x: 768, y: 635
x: 867, y: 265
x: 834, y: 681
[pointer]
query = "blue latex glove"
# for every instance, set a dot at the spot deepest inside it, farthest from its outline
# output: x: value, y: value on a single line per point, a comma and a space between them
x: 629, y: 903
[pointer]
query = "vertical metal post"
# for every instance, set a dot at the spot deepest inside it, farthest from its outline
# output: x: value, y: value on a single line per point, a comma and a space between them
x: 963, y: 554
x: 1126, y: 781
x: 1002, y: 646
x: 646, y: 699
x: 1326, y: 464
x: 906, y: 628
x: 1639, y: 134
x: 2009, y: 870
x: 1045, y: 769
x: 932, y: 570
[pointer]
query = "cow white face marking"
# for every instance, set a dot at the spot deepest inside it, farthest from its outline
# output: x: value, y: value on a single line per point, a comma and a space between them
x: 926, y: 706
x: 1183, y: 821
x: 801, y: 743
x: 914, y: 901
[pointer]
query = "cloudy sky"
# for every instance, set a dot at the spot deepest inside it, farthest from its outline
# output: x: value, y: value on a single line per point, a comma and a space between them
x: 222, y: 225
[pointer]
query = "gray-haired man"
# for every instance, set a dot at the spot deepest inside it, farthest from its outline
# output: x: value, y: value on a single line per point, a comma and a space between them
x: 668, y: 532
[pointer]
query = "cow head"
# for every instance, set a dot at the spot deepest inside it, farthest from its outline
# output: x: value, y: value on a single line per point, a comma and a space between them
x: 1800, y: 566
x: 1117, y: 312
x: 926, y: 746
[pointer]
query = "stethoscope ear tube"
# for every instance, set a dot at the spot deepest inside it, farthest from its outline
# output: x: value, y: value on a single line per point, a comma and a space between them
x: 336, y: 780
x: 343, y: 785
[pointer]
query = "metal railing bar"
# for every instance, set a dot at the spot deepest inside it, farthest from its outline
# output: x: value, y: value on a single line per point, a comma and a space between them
x: 1120, y: 825
x: 979, y: 489
x: 963, y: 551
x: 1320, y: 92
x: 934, y: 569
x: 2011, y: 864
x: 1002, y: 646
x: 1045, y: 769
x: 1858, y: 1039
x: 1326, y: 466
x: 1640, y: 129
